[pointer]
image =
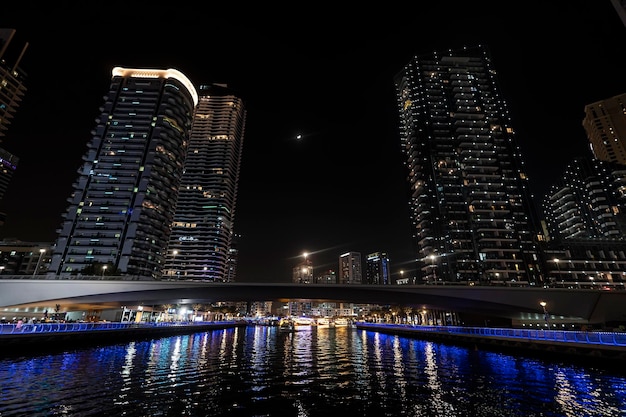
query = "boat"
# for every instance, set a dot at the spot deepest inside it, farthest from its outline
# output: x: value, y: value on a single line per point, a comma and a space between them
x: 323, y: 322
x: 341, y: 322
x: 286, y: 325
x: 301, y: 323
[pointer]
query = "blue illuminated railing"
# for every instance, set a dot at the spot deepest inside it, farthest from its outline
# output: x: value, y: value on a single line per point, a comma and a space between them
x: 553, y: 336
x: 29, y: 328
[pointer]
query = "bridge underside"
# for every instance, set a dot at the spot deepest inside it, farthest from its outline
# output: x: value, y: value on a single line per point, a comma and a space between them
x: 593, y: 306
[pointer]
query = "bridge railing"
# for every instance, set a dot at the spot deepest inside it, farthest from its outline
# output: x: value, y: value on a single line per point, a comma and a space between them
x: 561, y: 336
x: 30, y: 328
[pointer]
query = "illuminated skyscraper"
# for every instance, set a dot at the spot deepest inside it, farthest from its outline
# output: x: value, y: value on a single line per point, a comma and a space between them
x: 303, y: 272
x: 605, y: 125
x: 470, y: 204
x: 121, y: 210
x: 587, y: 202
x: 350, y: 270
x: 201, y: 243
x: 12, y: 89
x: 377, y: 269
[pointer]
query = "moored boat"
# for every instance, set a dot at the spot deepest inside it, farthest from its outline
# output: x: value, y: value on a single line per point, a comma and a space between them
x: 286, y: 325
x: 341, y: 322
x: 323, y: 322
x: 303, y: 322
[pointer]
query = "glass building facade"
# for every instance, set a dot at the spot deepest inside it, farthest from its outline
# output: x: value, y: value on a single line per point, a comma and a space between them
x: 120, y: 212
x: 201, y: 245
x: 471, y: 210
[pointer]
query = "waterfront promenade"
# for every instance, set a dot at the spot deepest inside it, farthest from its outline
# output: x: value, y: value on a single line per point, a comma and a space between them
x: 593, y: 344
x: 45, y: 335
x: 588, y: 344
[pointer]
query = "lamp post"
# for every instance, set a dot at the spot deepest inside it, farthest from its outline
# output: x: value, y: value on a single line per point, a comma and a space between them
x: 432, y: 266
x: 174, y: 271
x: 41, y: 252
x: 104, y: 268
x: 558, y: 269
x: 545, y: 312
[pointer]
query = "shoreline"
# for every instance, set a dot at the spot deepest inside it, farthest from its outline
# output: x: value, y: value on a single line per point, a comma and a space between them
x: 561, y: 343
x: 44, y: 337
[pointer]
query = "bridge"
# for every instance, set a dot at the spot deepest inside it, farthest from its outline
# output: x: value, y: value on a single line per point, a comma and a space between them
x: 592, y: 306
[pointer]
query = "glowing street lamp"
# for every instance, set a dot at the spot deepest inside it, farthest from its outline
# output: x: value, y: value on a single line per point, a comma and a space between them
x: 558, y: 269
x: 545, y: 312
x: 41, y: 252
x: 432, y: 266
x: 104, y: 268
x: 175, y: 270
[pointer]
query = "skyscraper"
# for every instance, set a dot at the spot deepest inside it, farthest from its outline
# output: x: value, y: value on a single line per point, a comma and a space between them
x: 303, y: 272
x: 121, y: 210
x: 587, y: 202
x: 620, y: 8
x: 470, y: 204
x: 605, y: 125
x: 200, y: 245
x: 377, y: 269
x: 12, y: 89
x: 350, y: 270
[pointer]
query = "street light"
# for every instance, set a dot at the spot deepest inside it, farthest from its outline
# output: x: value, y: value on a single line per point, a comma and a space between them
x: 174, y: 253
x: 545, y: 312
x: 104, y: 268
x: 41, y: 252
x: 558, y: 269
x: 432, y: 266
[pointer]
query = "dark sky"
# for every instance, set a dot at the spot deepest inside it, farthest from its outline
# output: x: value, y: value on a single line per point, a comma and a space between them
x: 321, y: 72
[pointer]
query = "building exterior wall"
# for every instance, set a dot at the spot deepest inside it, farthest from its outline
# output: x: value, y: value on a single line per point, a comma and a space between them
x: 121, y: 209
x: 605, y: 125
x: 470, y: 203
x: 202, y: 233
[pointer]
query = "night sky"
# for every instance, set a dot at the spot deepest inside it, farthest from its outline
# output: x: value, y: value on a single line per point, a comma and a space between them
x: 324, y: 73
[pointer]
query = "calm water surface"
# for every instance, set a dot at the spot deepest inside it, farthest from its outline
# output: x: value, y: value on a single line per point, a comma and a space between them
x: 261, y: 371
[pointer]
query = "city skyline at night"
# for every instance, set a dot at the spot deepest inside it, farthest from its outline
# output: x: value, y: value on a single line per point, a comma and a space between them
x: 342, y: 186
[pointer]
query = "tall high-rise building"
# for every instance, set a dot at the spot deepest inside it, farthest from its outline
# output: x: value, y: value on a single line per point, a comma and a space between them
x: 620, y: 8
x: 471, y: 207
x: 605, y: 125
x: 233, y: 259
x: 200, y: 245
x: 12, y: 90
x: 350, y: 269
x: 588, y: 202
x: 327, y: 276
x: 121, y: 210
x: 8, y: 165
x: 377, y: 269
x: 303, y: 272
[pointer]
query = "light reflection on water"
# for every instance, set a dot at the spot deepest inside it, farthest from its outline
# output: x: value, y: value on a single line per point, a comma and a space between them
x: 260, y: 371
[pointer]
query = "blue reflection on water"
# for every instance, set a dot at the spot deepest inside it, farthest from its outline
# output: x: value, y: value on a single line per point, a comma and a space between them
x: 262, y: 372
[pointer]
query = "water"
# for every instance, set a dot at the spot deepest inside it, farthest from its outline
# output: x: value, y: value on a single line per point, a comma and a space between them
x: 262, y: 371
